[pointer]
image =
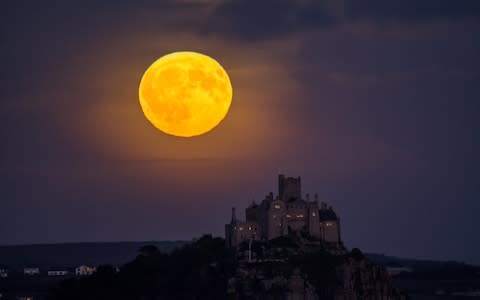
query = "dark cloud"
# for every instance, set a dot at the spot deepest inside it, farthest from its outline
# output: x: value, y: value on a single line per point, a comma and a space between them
x: 412, y: 10
x: 243, y: 19
x: 252, y: 19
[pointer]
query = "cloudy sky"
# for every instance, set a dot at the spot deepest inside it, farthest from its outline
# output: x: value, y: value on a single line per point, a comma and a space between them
x: 374, y: 103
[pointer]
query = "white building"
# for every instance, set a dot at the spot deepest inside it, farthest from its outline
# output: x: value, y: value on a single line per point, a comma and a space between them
x: 57, y: 273
x: 3, y: 273
x: 84, y: 270
x: 31, y: 271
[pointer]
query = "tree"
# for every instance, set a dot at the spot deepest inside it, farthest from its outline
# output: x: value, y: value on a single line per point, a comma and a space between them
x: 149, y: 250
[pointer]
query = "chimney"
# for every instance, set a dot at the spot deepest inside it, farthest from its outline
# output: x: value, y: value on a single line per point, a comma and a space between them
x: 281, y: 185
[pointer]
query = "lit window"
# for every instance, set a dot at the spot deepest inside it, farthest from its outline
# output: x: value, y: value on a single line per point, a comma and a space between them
x: 300, y: 216
x: 241, y: 228
x: 289, y: 216
x: 314, y: 214
x: 249, y: 227
x: 277, y: 206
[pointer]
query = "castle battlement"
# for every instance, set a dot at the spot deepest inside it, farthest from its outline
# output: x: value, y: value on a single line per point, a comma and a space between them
x: 286, y: 213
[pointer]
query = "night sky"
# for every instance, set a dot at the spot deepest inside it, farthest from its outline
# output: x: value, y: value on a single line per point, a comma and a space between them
x: 374, y: 103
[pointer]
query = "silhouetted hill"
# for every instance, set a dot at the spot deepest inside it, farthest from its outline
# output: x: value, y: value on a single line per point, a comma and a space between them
x: 75, y: 254
x: 207, y: 269
x: 205, y: 266
x: 418, y: 265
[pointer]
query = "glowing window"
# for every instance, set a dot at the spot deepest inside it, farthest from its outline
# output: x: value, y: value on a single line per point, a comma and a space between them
x: 300, y: 216
x: 241, y: 228
x: 314, y: 214
x: 289, y: 216
x: 277, y: 206
x: 249, y: 227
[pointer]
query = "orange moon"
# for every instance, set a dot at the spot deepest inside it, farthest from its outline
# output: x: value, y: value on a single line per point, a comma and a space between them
x: 185, y: 94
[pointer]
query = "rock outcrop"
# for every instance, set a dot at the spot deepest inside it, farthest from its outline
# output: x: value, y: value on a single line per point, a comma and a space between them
x: 362, y: 279
x: 320, y: 274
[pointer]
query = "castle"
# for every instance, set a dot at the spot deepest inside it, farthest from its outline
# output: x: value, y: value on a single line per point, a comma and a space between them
x: 286, y: 213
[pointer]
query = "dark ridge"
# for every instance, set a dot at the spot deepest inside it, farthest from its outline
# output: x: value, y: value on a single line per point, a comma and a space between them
x: 74, y: 254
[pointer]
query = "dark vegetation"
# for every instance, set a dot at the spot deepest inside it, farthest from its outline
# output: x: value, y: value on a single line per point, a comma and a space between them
x: 320, y: 269
x: 199, y: 270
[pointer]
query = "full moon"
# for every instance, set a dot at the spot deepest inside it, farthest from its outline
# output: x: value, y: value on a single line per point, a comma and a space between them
x: 185, y: 93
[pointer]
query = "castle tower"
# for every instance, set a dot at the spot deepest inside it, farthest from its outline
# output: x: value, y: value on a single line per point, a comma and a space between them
x: 275, y: 219
x: 289, y: 188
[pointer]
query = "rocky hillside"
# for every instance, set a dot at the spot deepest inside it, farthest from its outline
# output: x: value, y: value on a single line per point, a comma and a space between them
x: 292, y: 271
